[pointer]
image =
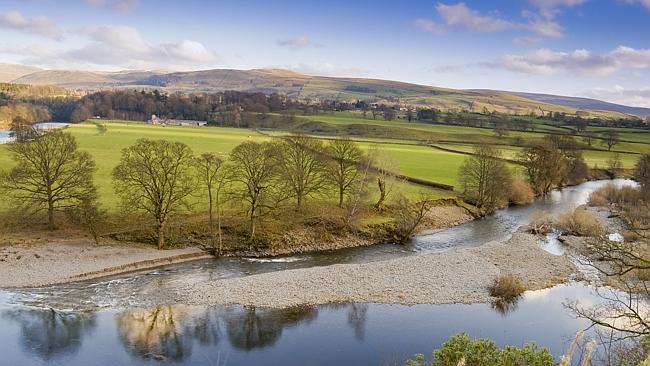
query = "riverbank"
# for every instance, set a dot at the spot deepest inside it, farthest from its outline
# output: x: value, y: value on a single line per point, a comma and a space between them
x: 33, y: 260
x: 36, y: 264
x: 455, y: 276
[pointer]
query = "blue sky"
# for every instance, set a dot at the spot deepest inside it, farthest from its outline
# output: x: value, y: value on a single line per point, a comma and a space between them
x: 594, y: 48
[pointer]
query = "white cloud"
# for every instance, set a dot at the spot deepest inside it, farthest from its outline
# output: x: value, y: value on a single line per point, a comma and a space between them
x: 39, y: 25
x: 550, y: 8
x: 618, y: 94
x: 645, y: 3
x: 460, y: 15
x: 123, y: 6
x: 297, y: 43
x: 545, y: 27
x: 125, y: 47
x: 429, y: 26
x: 582, y: 62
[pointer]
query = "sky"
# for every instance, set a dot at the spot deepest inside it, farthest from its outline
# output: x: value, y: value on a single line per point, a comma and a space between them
x: 591, y: 48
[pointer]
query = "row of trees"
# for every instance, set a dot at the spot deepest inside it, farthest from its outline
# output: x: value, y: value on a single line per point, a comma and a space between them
x: 486, y: 180
x: 160, y: 177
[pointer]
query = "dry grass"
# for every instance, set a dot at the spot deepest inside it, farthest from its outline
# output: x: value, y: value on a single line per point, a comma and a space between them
x: 507, y: 287
x: 521, y: 192
x: 631, y: 236
x: 611, y: 194
x: 580, y: 222
x: 541, y: 223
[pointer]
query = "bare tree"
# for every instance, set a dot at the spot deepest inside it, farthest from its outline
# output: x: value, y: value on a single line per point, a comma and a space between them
x: 386, y: 168
x: 50, y: 174
x: 89, y: 215
x: 156, y: 177
x: 214, y: 176
x: 358, y: 194
x: 409, y: 113
x: 545, y: 167
x: 389, y: 114
x: 409, y: 216
x: 614, y: 164
x: 501, y: 128
x: 302, y: 165
x: 343, y: 167
x: 642, y: 174
x: 610, y: 138
x: 589, y: 137
x: 484, y: 178
x: 22, y: 129
x: 627, y: 265
x: 255, y: 172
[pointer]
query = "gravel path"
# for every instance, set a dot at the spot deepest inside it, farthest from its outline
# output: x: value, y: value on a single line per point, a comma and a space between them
x: 457, y: 276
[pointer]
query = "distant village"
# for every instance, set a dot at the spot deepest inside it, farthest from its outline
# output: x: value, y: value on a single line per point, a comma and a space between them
x: 155, y: 120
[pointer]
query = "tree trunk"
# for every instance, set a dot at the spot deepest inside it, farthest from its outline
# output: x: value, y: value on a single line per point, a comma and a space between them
x: 219, y: 224
x: 211, y: 219
x: 161, y: 235
x: 50, y: 215
x: 382, y: 193
x: 340, y: 197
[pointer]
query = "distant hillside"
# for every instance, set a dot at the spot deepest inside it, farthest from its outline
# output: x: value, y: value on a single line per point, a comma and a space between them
x: 586, y: 103
x: 88, y: 80
x: 9, y: 72
x: 297, y: 85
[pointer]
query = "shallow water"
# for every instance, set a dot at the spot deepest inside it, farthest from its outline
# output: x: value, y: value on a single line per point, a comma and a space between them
x: 95, y: 322
x: 5, y: 137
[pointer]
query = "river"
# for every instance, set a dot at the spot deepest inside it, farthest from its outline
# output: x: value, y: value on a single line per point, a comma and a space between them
x: 107, y: 321
x: 6, y: 136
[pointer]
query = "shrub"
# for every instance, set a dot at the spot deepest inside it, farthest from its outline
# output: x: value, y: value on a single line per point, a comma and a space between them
x: 461, y: 350
x: 507, y: 287
x: 612, y: 194
x: 521, y: 192
x: 581, y: 223
x: 630, y: 236
x: 541, y: 223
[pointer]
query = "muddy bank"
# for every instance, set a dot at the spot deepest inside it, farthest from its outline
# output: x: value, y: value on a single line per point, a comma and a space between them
x: 455, y: 276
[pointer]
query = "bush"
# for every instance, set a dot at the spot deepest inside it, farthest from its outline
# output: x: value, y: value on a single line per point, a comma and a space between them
x: 630, y: 236
x: 541, y: 223
x: 521, y: 192
x: 484, y: 352
x: 507, y: 287
x: 581, y: 223
x: 611, y: 194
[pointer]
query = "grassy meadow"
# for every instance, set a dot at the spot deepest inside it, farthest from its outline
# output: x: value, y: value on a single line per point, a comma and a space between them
x: 404, y: 141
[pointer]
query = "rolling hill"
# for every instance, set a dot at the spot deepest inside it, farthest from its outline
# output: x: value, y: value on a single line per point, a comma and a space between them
x: 10, y: 72
x: 585, y: 103
x: 297, y: 85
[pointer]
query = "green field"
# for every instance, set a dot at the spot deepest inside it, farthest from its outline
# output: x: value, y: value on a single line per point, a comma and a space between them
x: 414, y: 157
x: 418, y: 161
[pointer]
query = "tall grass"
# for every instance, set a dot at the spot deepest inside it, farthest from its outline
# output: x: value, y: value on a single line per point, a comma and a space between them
x: 580, y: 222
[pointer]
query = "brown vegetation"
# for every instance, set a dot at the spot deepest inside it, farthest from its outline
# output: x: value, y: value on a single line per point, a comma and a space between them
x: 521, y: 193
x: 507, y: 287
x: 580, y: 222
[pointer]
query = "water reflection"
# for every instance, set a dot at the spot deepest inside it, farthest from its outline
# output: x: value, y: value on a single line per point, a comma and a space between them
x: 242, y: 335
x: 155, y: 333
x: 168, y: 332
x: 505, y: 307
x: 48, y: 333
x: 259, y: 328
